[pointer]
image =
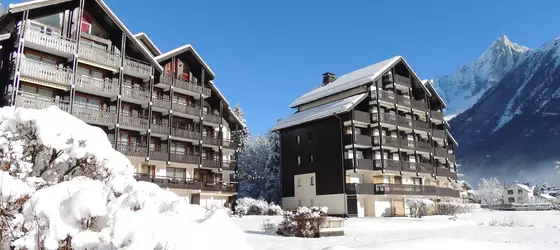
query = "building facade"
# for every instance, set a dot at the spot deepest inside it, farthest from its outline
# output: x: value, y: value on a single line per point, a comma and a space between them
x: 518, y: 194
x: 162, y: 110
x: 362, y: 143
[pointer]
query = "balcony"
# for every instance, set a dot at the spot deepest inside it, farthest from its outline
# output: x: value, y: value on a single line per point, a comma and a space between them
x: 437, y: 133
x: 159, y: 154
x: 101, y: 87
x: 228, y: 144
x: 160, y: 128
x: 386, y: 141
x: 386, y: 118
x: 408, y: 166
x: 189, y: 111
x: 403, y: 100
x: 436, y: 115
x: 446, y: 172
x: 394, y: 165
x: 383, y: 95
x: 210, y: 140
x: 33, y: 101
x: 229, y: 165
x: 212, y: 118
x: 365, y: 164
x: 137, y: 68
x: 220, y: 187
x: 419, y: 105
x: 99, y: 57
x: 133, y: 122
x: 425, y: 168
x: 49, y: 41
x: 361, y: 117
x: 211, y: 163
x: 407, y: 144
x: 135, y: 95
x: 182, y: 133
x: 185, y: 86
x: 45, y: 74
x: 402, y: 80
x: 421, y: 125
x: 441, y: 152
x: 95, y: 115
x: 359, y: 140
x: 402, y: 189
x: 448, y: 192
x: 135, y: 150
x: 360, y: 188
x: 170, y: 182
x: 423, y: 146
x: 161, y: 104
x: 184, y: 158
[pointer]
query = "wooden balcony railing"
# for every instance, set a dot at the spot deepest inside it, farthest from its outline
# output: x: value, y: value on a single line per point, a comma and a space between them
x: 34, y: 101
x: 437, y: 133
x: 405, y: 143
x: 49, y: 40
x: 184, y: 133
x: 99, y: 56
x: 185, y: 84
x: 134, y: 121
x: 383, y: 95
x: 423, y: 146
x: 170, y: 182
x: 446, y: 172
x: 360, y: 188
x: 229, y: 165
x: 448, y: 192
x: 137, y: 68
x: 135, y: 150
x: 186, y: 109
x: 212, y: 118
x: 419, y: 104
x: 229, y: 144
x: 365, y: 164
x: 425, y: 168
x: 159, y: 154
x: 162, y: 103
x: 45, y: 72
x: 362, y: 140
x: 421, y: 125
x: 220, y: 186
x: 211, y: 163
x: 135, y: 94
x: 160, y: 128
x: 402, y: 80
x: 403, y: 100
x: 386, y: 140
x: 436, y: 115
x: 103, y: 87
x: 402, y: 189
x: 95, y: 115
x: 211, y: 140
x: 184, y: 158
x: 389, y: 164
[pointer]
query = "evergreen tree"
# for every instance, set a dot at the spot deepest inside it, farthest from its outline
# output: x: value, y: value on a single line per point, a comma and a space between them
x: 251, y: 167
x: 272, y: 169
x: 240, y: 136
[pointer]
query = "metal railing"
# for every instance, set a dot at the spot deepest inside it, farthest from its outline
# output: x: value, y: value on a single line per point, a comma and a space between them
x: 136, y: 150
x: 95, y: 115
x: 407, y: 144
x: 386, y: 140
x: 99, y: 86
x: 134, y: 121
x: 98, y: 55
x: 34, y: 101
x: 137, y: 67
x: 135, y: 94
x: 170, y: 182
x: 45, y: 72
x: 210, y: 163
x: 389, y: 164
x: 49, y: 40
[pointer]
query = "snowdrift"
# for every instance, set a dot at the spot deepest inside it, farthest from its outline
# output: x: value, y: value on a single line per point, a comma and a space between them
x: 63, y: 185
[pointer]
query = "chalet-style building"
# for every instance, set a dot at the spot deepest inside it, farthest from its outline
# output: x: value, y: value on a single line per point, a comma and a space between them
x: 362, y: 143
x: 162, y: 110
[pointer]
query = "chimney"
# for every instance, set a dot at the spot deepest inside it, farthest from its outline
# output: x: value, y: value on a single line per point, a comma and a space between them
x: 328, y: 77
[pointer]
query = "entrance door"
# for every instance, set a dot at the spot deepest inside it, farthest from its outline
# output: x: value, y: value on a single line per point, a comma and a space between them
x: 361, y: 207
x: 398, y: 207
x: 398, y: 180
x: 195, y: 199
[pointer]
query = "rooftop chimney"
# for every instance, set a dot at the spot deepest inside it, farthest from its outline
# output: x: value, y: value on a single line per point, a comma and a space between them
x: 328, y: 77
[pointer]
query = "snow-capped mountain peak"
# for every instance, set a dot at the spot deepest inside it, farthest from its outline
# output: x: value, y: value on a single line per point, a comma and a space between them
x: 463, y: 88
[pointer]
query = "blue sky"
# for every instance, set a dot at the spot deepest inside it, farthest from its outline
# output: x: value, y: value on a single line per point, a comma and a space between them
x: 267, y: 53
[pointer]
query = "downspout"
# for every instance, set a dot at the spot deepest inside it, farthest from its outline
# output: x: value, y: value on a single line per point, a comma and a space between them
x: 343, y: 168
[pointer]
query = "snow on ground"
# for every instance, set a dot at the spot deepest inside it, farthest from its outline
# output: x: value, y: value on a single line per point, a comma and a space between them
x: 469, y: 231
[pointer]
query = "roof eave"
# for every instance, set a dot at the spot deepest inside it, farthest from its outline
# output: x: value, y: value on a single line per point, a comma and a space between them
x: 19, y: 7
x: 183, y: 49
x: 143, y: 35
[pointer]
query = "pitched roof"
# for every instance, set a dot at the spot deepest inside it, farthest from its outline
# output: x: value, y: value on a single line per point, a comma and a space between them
x: 429, y: 84
x: 352, y: 80
x: 451, y: 137
x: 319, y: 112
x: 181, y: 50
x: 15, y: 8
x: 219, y: 93
x: 148, y: 43
x: 523, y: 186
x: 548, y: 196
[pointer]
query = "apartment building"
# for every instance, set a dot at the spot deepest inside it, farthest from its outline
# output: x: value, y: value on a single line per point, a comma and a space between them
x: 362, y: 143
x: 162, y: 110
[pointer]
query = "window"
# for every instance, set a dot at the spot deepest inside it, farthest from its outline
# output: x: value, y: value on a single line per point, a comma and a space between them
x: 175, y: 172
x: 298, y: 182
x: 416, y: 181
x: 309, y: 136
x: 310, y: 158
x: 510, y: 191
x: 298, y: 160
x: 312, y: 181
x: 519, y: 191
x: 297, y: 139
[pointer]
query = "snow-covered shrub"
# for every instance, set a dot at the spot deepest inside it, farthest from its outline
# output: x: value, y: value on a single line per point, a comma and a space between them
x: 490, y: 191
x: 509, y: 223
x: 269, y: 227
x: 303, y: 222
x: 453, y: 208
x: 419, y: 207
x: 62, y: 186
x: 250, y: 206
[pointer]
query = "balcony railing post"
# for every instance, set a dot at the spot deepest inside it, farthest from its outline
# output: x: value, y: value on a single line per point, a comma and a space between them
x: 19, y: 54
x: 75, y: 56
x: 201, y: 118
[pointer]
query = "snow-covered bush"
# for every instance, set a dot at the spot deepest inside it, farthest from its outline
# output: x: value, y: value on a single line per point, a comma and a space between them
x: 419, y: 207
x: 509, y: 223
x: 303, y: 222
x: 269, y: 227
x: 250, y: 206
x: 453, y: 208
x: 62, y: 186
x: 490, y: 191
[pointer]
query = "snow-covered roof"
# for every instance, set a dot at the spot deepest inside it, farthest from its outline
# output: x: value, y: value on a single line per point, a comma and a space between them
x: 465, y: 184
x: 352, y: 80
x: 148, y: 42
x: 181, y: 50
x: 429, y: 83
x: 217, y: 91
x: 548, y: 196
x: 319, y: 112
x: 522, y: 186
x: 15, y: 8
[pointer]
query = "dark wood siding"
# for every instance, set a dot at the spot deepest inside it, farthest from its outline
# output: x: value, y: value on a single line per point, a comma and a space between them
x: 327, y: 156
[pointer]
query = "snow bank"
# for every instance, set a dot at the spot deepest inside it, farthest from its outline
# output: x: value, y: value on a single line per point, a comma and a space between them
x: 86, y: 195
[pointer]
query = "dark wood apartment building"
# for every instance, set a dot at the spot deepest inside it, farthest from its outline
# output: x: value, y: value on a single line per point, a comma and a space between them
x: 362, y: 143
x: 162, y: 110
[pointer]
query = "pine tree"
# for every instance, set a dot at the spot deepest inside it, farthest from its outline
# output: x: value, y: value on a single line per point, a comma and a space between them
x: 240, y: 136
x: 272, y: 169
x: 251, y: 167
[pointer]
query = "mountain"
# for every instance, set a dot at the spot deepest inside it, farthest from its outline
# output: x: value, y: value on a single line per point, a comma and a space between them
x: 461, y: 89
x: 515, y: 124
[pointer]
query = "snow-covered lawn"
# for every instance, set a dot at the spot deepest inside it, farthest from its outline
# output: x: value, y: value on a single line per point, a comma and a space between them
x: 541, y: 230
